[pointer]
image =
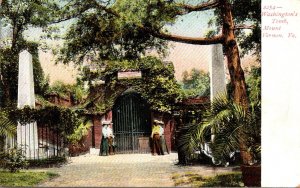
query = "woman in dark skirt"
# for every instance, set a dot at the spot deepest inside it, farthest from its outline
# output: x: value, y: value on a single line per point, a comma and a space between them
x: 104, y: 141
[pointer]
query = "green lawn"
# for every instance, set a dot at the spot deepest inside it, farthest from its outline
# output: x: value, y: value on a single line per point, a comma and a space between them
x: 24, y: 178
x: 192, y: 179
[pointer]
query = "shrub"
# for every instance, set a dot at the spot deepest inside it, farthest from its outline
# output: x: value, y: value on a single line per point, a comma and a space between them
x: 48, y: 162
x: 13, y: 159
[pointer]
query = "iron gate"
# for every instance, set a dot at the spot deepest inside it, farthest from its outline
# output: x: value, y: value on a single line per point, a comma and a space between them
x: 131, y: 124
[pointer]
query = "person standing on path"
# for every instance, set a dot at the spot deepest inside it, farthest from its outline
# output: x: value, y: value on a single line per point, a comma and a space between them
x: 162, y: 141
x: 110, y: 139
x: 104, y: 141
x: 156, y: 148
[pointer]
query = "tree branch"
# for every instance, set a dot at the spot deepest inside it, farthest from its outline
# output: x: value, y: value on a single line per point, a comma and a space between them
x: 200, y: 7
x: 183, y: 39
x: 244, y: 27
x: 93, y: 4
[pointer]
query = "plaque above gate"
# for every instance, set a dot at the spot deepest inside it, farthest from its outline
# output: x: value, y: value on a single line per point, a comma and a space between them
x: 129, y: 74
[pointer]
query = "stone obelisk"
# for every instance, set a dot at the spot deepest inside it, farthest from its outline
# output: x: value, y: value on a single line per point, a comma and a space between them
x: 217, y: 72
x: 217, y: 78
x: 27, y: 134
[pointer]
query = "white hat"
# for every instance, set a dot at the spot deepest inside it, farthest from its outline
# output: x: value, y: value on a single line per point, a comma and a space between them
x: 160, y: 122
x: 106, y: 122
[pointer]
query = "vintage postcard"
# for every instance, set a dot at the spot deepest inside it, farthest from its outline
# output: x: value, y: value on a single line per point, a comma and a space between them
x: 149, y: 93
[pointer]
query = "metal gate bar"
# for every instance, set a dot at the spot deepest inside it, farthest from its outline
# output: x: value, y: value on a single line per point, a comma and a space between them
x: 131, y: 118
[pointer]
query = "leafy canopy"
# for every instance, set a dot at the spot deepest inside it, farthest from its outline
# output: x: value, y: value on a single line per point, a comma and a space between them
x: 247, y: 19
x: 9, y: 74
x: 75, y: 91
x: 195, y: 83
x: 128, y: 28
x: 98, y: 34
x: 17, y: 17
x: 157, y: 85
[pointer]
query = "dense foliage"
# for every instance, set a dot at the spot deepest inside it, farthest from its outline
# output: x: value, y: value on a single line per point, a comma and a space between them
x: 254, y: 85
x: 250, y: 42
x: 75, y: 91
x: 13, y: 159
x: 229, y: 123
x: 62, y: 120
x: 195, y: 83
x: 157, y: 85
x: 16, y: 17
x: 123, y: 29
x: 100, y: 34
x: 77, y: 140
x: 9, y: 73
x: 254, y: 93
x: 7, y: 126
x: 80, y: 132
x: 126, y: 28
x: 248, y: 25
x: 9, y: 77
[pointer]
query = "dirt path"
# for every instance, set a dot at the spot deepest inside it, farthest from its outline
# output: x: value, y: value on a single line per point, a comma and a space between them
x: 124, y: 170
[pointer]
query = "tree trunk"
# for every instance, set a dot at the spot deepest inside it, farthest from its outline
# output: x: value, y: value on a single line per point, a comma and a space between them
x: 233, y: 58
x: 234, y: 66
x: 14, y: 37
x: 6, y: 93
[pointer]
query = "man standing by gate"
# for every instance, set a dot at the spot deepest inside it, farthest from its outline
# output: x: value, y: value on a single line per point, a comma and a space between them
x: 162, y: 141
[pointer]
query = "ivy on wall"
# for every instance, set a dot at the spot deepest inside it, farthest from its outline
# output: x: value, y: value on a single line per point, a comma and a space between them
x: 80, y: 132
x: 157, y: 85
x: 64, y: 121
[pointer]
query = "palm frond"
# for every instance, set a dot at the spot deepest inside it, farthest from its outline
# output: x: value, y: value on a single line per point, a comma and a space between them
x: 226, y: 140
x: 7, y: 127
x: 214, y: 117
x: 230, y: 124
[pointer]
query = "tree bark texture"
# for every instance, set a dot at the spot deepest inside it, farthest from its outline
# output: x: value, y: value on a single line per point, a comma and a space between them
x: 234, y: 66
x: 232, y: 54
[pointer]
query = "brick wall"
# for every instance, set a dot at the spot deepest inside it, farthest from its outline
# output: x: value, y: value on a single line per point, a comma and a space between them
x: 96, y: 129
x: 97, y: 126
x: 45, y: 135
x: 59, y: 100
x: 169, y: 130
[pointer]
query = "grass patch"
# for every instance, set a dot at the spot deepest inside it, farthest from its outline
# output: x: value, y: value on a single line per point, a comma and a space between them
x: 24, y: 178
x: 226, y: 180
x: 233, y: 179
